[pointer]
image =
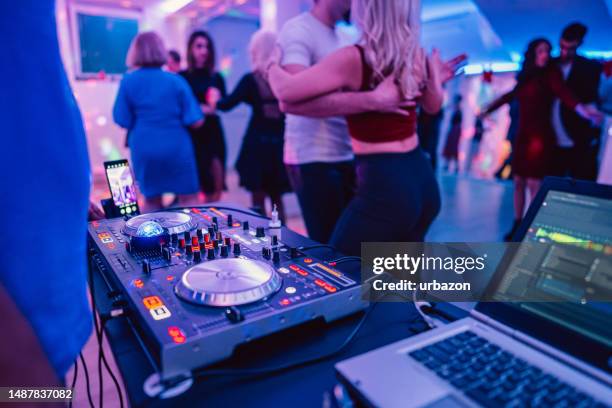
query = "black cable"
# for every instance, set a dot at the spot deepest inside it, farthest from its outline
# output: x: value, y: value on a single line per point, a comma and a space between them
x: 107, y: 366
x: 345, y: 259
x: 289, y: 366
x: 252, y: 214
x: 309, y: 247
x: 99, y: 328
x: 91, y: 404
x: 74, y: 380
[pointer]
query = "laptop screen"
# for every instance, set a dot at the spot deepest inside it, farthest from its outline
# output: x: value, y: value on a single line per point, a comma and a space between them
x: 572, y: 273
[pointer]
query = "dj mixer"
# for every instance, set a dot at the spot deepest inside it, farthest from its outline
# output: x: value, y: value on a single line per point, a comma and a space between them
x: 199, y: 282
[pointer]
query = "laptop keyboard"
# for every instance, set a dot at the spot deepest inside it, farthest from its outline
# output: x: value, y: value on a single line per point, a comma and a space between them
x: 496, y: 378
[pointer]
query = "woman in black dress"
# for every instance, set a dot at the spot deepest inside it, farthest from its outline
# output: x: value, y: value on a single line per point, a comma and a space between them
x: 260, y: 162
x: 209, y: 141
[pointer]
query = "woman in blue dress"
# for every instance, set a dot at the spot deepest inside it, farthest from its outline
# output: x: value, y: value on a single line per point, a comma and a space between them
x: 156, y: 107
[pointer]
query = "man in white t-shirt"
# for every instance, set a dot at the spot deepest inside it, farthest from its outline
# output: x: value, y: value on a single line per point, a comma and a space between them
x: 318, y: 152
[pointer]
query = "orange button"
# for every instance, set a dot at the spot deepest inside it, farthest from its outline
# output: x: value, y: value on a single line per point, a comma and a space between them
x: 151, y: 302
x: 138, y: 283
x: 169, y: 278
x: 307, y: 260
x: 329, y: 288
x: 179, y: 339
x: 320, y: 283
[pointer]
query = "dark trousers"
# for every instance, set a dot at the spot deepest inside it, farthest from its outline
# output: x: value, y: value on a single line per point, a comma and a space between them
x: 576, y: 162
x: 323, y: 191
x: 397, y: 199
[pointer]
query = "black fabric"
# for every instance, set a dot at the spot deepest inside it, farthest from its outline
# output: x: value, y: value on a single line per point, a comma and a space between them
x: 578, y: 162
x: 397, y: 199
x: 583, y: 80
x: 209, y: 139
x: 260, y: 161
x: 323, y: 191
x: 428, y: 130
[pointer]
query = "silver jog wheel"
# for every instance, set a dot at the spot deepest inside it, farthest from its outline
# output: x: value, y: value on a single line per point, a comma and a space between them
x: 228, y: 282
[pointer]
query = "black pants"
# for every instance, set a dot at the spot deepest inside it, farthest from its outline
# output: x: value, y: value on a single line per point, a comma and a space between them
x: 397, y: 199
x: 576, y: 162
x: 323, y: 191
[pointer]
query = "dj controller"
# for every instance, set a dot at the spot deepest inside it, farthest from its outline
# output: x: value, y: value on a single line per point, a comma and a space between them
x: 199, y: 282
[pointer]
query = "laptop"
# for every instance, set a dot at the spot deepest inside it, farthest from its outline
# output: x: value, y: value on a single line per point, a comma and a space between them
x: 541, y: 354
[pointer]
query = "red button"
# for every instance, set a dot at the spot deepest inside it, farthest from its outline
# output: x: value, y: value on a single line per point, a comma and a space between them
x: 320, y: 283
x: 294, y: 267
x: 182, y: 243
x: 285, y: 302
x: 301, y: 272
x: 169, y: 278
x: 194, y: 241
x: 138, y: 283
x: 174, y: 331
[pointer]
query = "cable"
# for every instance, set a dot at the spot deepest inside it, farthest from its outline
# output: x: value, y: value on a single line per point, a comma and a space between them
x: 309, y: 247
x: 106, y: 365
x: 91, y: 404
x: 74, y: 380
x: 289, y: 366
x: 99, y: 328
x: 252, y: 214
x: 344, y: 259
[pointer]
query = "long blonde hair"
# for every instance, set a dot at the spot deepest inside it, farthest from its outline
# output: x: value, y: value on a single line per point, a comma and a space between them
x: 261, y: 49
x: 390, y: 36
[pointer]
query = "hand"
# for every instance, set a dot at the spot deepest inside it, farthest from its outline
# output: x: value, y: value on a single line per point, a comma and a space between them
x: 212, y: 96
x: 207, y: 109
x: 451, y: 66
x: 94, y: 212
x: 387, y: 98
x: 590, y: 113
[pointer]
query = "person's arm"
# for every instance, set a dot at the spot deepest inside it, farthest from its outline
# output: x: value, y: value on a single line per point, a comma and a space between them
x: 190, y: 110
x: 122, y: 111
x: 499, y: 102
x: 239, y: 95
x: 567, y: 97
x: 332, y: 74
x: 433, y: 94
x: 384, y: 98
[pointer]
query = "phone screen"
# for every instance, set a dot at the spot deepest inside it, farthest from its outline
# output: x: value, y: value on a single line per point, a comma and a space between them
x: 121, y: 185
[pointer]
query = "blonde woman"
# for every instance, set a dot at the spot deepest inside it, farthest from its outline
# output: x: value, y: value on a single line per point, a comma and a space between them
x: 156, y: 107
x: 260, y: 162
x: 397, y: 195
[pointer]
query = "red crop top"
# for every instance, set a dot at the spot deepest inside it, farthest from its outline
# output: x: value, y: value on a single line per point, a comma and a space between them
x: 378, y: 127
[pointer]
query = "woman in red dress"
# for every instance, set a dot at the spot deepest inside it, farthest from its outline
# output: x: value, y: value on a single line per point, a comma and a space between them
x: 538, y: 84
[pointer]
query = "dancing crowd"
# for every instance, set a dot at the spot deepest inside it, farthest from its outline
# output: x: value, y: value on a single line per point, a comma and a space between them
x: 337, y: 123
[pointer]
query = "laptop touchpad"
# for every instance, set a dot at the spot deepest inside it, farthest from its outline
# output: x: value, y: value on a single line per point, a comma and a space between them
x: 446, y: 402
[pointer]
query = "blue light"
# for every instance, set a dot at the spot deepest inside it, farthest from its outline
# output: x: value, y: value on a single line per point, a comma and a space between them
x: 149, y: 229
